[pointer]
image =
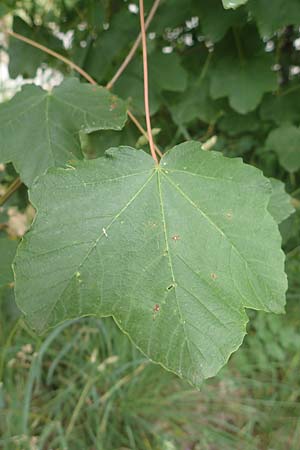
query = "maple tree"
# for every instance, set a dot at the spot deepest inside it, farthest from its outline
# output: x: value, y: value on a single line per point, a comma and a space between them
x: 172, y: 240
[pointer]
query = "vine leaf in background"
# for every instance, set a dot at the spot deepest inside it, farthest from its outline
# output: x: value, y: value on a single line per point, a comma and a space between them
x: 235, y: 124
x: 40, y: 129
x: 165, y: 74
x: 282, y: 108
x: 285, y: 141
x: 170, y: 16
x: 280, y: 205
x: 243, y: 82
x: 175, y: 252
x: 215, y: 21
x: 24, y: 59
x: 109, y: 44
x: 233, y: 3
x: 281, y: 14
x: 194, y: 104
x: 4, y: 10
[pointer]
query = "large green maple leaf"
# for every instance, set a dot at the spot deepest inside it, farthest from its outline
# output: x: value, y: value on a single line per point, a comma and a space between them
x: 40, y: 129
x: 175, y: 252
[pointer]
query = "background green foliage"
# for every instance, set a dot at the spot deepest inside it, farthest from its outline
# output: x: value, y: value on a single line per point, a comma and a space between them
x: 232, y: 74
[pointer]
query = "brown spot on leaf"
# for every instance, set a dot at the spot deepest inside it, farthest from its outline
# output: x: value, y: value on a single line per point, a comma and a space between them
x: 176, y: 237
x: 156, y: 309
x: 213, y: 276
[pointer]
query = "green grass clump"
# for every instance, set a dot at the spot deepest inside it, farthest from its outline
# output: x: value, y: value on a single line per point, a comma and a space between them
x: 85, y: 387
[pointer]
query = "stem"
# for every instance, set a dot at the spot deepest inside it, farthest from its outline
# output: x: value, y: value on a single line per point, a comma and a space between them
x: 293, y: 252
x: 294, y: 193
x: 139, y: 127
x: 289, y: 90
x: 10, y: 190
x: 205, y: 67
x: 6, y: 347
x: 293, y: 179
x: 296, y: 203
x: 80, y: 404
x: 78, y: 69
x: 146, y: 82
x: 239, y: 46
x: 52, y: 53
x: 134, y: 47
x: 85, y: 392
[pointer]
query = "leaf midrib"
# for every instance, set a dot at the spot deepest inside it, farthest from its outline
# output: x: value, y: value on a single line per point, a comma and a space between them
x: 171, y: 266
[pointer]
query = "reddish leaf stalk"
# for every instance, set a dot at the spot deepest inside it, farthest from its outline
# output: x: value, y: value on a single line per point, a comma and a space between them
x: 134, y: 47
x: 146, y: 82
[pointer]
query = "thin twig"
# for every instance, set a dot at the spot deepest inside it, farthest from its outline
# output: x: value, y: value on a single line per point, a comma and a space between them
x: 141, y: 129
x: 79, y: 70
x: 10, y: 190
x: 146, y: 82
x: 52, y: 53
x: 134, y: 47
